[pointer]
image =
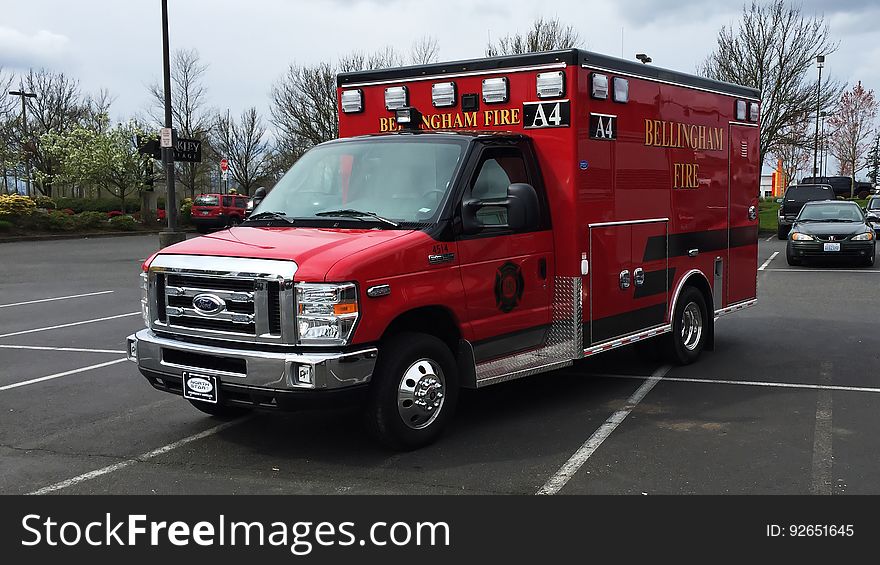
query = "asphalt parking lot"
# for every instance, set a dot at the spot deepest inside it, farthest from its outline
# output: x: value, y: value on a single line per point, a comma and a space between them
x: 789, y: 402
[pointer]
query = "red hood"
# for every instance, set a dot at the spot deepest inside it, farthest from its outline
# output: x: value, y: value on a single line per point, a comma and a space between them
x: 315, y: 250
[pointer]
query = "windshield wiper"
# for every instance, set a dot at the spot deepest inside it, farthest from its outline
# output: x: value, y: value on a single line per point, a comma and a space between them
x: 270, y: 216
x: 350, y: 213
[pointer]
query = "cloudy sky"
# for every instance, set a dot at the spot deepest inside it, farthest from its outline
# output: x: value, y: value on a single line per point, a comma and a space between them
x: 116, y: 44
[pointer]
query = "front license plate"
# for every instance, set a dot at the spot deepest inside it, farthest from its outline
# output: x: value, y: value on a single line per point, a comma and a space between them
x: 204, y: 212
x: 200, y: 387
x: 832, y: 247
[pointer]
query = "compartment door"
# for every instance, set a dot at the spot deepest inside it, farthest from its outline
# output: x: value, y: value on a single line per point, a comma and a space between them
x: 742, y: 226
x: 610, y: 296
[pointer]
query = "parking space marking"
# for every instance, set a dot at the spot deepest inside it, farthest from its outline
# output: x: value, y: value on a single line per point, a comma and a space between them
x: 767, y: 262
x: 863, y: 271
x: 138, y: 459
x: 770, y: 238
x: 56, y: 298
x: 576, y: 461
x: 804, y: 386
x: 23, y: 332
x: 59, y: 375
x: 72, y: 349
x: 822, y: 450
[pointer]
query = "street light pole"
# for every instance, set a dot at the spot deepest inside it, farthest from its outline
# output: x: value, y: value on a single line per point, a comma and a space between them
x: 824, y: 146
x: 820, y: 62
x: 27, y: 162
x: 171, y: 234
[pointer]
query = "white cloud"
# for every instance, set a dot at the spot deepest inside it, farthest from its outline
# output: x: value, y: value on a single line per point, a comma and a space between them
x: 19, y: 49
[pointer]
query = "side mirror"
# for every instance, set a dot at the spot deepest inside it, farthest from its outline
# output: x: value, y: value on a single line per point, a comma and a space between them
x: 780, y: 200
x: 521, y: 205
x: 258, y: 196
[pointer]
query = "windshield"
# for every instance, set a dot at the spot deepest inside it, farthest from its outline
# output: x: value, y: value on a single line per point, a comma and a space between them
x: 805, y: 193
x: 831, y: 212
x: 399, y: 179
x: 874, y: 204
x: 206, y: 201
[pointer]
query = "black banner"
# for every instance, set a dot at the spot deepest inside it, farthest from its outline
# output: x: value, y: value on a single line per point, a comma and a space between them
x: 407, y: 529
x: 185, y: 150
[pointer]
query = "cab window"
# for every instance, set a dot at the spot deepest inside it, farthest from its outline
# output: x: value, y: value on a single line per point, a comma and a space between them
x: 227, y: 201
x: 498, y: 169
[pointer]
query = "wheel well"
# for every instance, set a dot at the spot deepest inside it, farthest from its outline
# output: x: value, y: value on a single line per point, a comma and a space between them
x: 432, y: 320
x: 699, y: 282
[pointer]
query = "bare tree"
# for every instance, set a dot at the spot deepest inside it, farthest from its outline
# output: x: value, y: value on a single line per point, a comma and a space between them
x: 96, y: 111
x: 57, y: 108
x: 303, y: 106
x: 8, y: 144
x: 424, y: 50
x: 794, y: 150
x: 852, y: 124
x: 243, y: 143
x: 188, y: 112
x: 545, y: 35
x: 773, y: 50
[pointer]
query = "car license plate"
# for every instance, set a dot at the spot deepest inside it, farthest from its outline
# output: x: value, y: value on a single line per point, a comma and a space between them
x: 204, y: 212
x: 200, y: 387
x: 832, y: 247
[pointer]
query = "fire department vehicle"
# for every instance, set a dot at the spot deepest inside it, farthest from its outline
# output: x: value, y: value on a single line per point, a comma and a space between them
x: 476, y: 222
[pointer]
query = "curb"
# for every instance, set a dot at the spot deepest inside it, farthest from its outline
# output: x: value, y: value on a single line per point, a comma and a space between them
x: 88, y: 235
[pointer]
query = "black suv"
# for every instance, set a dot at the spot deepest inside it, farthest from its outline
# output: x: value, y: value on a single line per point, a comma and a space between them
x: 795, y: 197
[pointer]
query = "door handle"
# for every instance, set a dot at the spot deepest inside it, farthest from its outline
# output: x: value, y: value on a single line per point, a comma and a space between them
x: 542, y: 268
x: 624, y: 279
x: 639, y: 276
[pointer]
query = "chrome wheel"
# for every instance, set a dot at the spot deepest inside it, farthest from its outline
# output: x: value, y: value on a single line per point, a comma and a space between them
x: 691, y: 326
x: 420, y: 394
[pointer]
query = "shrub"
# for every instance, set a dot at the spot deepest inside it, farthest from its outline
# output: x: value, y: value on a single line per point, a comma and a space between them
x: 100, y: 205
x: 186, y: 211
x: 87, y: 220
x: 59, y: 221
x: 45, y: 202
x: 124, y: 223
x: 16, y: 205
x: 6, y: 226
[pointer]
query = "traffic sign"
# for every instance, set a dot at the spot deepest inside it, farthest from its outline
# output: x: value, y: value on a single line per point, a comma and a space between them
x: 165, y: 137
x: 224, y: 175
x: 224, y: 165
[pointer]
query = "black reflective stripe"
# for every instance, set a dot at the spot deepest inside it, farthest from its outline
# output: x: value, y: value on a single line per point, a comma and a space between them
x: 712, y: 240
x: 510, y: 343
x: 656, y: 282
x: 619, y: 325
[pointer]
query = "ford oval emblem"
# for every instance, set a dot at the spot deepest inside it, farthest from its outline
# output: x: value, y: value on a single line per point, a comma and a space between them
x: 199, y: 385
x: 208, y: 304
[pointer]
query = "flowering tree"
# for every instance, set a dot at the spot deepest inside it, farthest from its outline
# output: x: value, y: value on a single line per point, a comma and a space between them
x: 851, y: 130
x: 103, y: 157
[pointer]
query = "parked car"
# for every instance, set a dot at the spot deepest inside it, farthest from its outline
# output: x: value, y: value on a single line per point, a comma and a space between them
x: 872, y: 211
x: 829, y: 230
x: 843, y: 186
x: 217, y: 211
x: 795, y: 197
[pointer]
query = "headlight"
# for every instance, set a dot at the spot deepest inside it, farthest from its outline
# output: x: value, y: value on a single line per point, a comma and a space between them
x: 798, y: 236
x: 867, y: 236
x: 145, y: 298
x: 326, y: 313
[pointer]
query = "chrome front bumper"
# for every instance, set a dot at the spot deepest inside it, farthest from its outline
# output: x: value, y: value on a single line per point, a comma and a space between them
x: 265, y: 371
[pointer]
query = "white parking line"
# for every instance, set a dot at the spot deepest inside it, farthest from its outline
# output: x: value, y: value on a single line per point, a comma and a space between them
x: 576, y: 461
x: 140, y: 458
x: 808, y: 270
x: 770, y: 238
x: 59, y: 375
x: 803, y: 386
x: 767, y: 262
x: 57, y: 298
x: 70, y: 324
x: 822, y: 437
x: 74, y: 349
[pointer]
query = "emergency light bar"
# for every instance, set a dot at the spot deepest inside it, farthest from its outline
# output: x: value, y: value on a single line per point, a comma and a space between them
x: 551, y: 85
x: 396, y: 97
x: 443, y: 94
x: 495, y: 90
x: 353, y: 101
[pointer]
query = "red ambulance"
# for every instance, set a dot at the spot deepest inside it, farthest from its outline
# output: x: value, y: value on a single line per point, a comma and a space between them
x: 476, y: 222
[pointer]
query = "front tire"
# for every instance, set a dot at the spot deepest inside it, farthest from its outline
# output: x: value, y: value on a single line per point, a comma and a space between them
x: 413, y: 392
x: 690, y: 326
x: 781, y: 231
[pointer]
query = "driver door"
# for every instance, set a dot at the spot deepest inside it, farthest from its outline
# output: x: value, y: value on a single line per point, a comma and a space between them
x: 507, y: 275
